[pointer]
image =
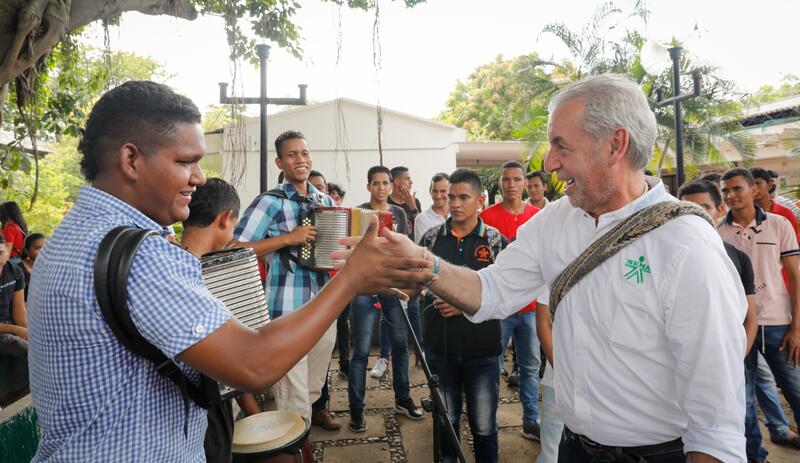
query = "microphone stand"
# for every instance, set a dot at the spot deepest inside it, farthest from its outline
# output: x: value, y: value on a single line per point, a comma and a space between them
x: 435, y: 403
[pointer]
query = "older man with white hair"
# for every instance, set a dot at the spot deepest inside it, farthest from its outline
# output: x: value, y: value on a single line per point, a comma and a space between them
x: 648, y: 339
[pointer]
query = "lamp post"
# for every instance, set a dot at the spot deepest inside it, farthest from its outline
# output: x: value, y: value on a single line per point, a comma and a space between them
x: 263, y: 53
x: 655, y: 58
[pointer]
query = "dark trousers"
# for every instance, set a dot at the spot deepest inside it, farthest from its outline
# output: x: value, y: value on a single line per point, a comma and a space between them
x: 475, y: 379
x: 324, y: 397
x: 571, y: 451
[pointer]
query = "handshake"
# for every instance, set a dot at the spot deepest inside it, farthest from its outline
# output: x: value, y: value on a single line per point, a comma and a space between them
x: 390, y: 264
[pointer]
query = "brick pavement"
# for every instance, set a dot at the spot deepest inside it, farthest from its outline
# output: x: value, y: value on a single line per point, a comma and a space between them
x: 391, y: 438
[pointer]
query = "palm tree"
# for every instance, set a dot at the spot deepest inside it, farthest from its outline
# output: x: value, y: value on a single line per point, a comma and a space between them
x: 708, y: 120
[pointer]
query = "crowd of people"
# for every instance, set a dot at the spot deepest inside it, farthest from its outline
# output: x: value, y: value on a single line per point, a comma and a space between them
x: 18, y: 251
x: 656, y: 348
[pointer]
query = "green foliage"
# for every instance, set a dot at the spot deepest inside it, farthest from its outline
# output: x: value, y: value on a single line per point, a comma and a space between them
x: 59, y: 181
x: 496, y: 96
x: 506, y: 99
x: 70, y: 81
x: 268, y: 19
x: 790, y: 86
x: 216, y: 117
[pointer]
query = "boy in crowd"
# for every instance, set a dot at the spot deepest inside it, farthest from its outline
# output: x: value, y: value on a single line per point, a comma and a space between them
x: 336, y: 193
x: 438, y: 212
x: 465, y: 355
x: 507, y: 216
x: 764, y: 186
x: 364, y: 311
x: 536, y: 185
x: 402, y: 196
x: 271, y: 224
x: 213, y: 213
x: 13, y: 315
x: 770, y: 242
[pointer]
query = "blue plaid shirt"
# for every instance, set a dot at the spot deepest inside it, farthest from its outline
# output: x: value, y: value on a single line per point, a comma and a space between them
x: 97, y: 401
x: 288, y: 285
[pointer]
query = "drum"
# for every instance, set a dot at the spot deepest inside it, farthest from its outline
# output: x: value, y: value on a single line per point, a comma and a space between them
x: 333, y: 224
x: 272, y: 437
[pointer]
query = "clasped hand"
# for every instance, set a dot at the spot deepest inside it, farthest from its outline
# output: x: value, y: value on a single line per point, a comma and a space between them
x: 388, y: 264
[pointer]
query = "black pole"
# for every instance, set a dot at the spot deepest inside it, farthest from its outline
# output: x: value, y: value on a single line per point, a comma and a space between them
x: 263, y: 53
x: 675, y: 54
x: 435, y: 403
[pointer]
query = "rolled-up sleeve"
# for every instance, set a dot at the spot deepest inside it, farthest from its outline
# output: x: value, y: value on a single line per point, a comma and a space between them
x: 168, y: 302
x: 706, y: 336
x: 515, y: 279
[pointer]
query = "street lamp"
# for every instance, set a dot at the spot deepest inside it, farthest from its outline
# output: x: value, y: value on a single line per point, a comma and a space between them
x: 655, y: 59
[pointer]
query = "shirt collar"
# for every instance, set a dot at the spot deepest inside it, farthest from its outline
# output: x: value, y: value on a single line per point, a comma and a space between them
x: 479, y: 230
x: 93, y: 198
x: 313, y: 192
x: 760, y: 216
x: 656, y: 193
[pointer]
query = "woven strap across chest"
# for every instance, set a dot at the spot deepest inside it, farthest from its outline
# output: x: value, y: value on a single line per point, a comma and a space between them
x: 623, y: 234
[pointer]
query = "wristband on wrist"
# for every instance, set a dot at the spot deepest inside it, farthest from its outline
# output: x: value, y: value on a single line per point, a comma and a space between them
x: 435, y: 270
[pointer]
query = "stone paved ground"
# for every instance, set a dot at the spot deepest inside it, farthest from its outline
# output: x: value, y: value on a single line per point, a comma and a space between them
x: 391, y: 438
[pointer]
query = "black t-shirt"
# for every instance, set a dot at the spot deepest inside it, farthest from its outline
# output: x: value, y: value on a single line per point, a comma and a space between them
x: 410, y: 216
x: 743, y: 267
x: 399, y: 218
x: 457, y: 335
x: 11, y: 281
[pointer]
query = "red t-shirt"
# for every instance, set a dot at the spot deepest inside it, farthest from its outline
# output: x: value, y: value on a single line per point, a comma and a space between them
x: 784, y: 211
x: 507, y: 224
x: 13, y: 235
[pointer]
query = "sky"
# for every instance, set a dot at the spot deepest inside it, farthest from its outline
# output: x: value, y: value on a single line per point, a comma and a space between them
x: 425, y: 50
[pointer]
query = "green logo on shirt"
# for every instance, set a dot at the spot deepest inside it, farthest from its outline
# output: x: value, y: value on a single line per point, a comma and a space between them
x: 637, y: 269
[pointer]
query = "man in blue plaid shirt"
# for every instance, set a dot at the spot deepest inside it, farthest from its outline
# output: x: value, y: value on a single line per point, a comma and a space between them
x: 271, y: 225
x: 99, y: 402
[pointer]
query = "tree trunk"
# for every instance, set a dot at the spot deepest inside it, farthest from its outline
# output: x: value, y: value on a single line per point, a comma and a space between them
x: 31, y: 28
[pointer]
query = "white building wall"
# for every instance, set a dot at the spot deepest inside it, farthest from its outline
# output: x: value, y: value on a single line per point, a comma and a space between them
x: 343, y: 139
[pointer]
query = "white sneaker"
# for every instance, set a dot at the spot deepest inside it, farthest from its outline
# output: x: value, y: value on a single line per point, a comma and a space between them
x: 380, y: 368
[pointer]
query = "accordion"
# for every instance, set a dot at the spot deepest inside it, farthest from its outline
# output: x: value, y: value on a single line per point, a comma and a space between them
x: 231, y: 275
x: 333, y: 224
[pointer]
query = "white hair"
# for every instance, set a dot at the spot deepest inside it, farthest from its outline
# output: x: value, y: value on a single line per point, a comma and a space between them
x: 612, y: 102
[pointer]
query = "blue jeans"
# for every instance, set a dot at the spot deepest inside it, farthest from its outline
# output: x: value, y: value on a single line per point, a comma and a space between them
x: 767, y: 397
x: 478, y: 379
x: 385, y: 343
x: 416, y: 325
x: 522, y: 326
x: 363, y: 314
x: 552, y: 427
x: 786, y: 376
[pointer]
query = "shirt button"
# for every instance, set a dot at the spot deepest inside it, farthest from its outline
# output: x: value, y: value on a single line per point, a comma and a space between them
x: 199, y: 329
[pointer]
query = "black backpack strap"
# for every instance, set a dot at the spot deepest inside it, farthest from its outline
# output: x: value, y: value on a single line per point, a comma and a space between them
x: 112, y: 267
x: 285, y: 254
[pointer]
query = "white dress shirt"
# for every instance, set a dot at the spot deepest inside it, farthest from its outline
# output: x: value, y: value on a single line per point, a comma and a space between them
x: 648, y: 347
x: 425, y: 221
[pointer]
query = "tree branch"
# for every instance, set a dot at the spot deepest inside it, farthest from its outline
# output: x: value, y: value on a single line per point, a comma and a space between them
x: 87, y: 11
